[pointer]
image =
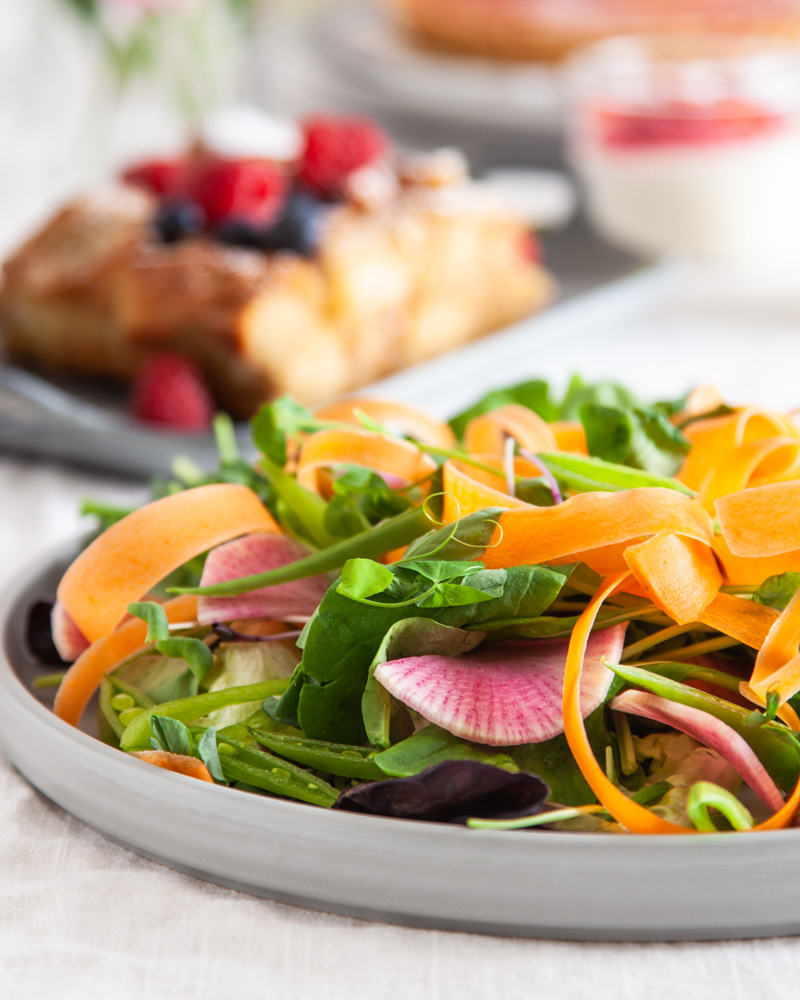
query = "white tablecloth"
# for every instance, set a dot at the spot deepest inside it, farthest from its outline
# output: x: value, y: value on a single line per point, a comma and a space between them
x: 80, y: 917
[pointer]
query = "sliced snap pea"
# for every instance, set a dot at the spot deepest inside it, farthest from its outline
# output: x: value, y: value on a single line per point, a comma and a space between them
x: 340, y: 759
x: 137, y: 734
x: 273, y: 774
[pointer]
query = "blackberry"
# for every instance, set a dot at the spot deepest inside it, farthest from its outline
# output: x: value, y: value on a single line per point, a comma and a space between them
x: 177, y: 220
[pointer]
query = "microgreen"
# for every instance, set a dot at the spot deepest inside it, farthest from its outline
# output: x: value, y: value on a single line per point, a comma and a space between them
x: 194, y: 651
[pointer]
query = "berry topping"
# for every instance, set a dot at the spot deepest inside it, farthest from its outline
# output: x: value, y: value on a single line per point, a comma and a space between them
x: 249, y: 190
x: 161, y: 177
x: 682, y: 123
x: 170, y: 390
x: 334, y: 148
x: 531, y: 248
x: 178, y: 219
x: 300, y: 227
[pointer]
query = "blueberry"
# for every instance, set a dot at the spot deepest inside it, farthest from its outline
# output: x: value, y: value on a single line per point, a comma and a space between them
x: 179, y: 219
x: 300, y: 226
x: 239, y: 233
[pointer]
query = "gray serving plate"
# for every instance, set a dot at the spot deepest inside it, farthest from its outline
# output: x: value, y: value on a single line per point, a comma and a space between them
x: 533, y: 884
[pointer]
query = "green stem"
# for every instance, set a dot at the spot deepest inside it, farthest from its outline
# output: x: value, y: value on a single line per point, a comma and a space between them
x: 633, y: 651
x: 700, y: 648
x: 388, y: 535
x: 627, y: 753
x: 225, y: 437
x: 540, y: 819
x: 705, y: 795
x: 138, y: 733
x: 49, y: 680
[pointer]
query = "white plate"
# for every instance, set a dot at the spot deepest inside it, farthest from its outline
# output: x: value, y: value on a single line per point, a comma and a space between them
x: 370, y: 54
x: 542, y: 884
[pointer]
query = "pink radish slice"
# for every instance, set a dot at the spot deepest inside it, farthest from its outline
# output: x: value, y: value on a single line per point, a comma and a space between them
x: 503, y: 694
x: 255, y: 554
x: 67, y: 637
x: 708, y: 730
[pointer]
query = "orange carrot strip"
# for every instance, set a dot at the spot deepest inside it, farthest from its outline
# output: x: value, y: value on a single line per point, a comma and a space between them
x: 761, y: 521
x: 464, y: 493
x: 176, y: 762
x: 486, y: 434
x: 379, y: 452
x: 702, y: 399
x: 768, y: 458
x: 753, y: 571
x: 592, y: 521
x: 743, y: 620
x: 570, y: 436
x: 81, y: 680
x: 405, y: 418
x: 680, y: 575
x: 136, y: 553
x: 777, y: 665
x: 632, y: 816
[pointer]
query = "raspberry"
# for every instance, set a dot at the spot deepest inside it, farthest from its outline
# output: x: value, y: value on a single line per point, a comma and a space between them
x: 170, y: 390
x: 161, y: 177
x: 531, y: 248
x: 249, y: 190
x: 334, y: 148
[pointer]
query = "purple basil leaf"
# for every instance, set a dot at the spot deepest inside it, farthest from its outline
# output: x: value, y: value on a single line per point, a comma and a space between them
x: 39, y: 635
x: 450, y: 792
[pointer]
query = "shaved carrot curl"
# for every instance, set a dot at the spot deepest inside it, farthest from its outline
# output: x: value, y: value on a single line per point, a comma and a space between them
x: 382, y: 453
x: 136, y: 553
x: 486, y: 433
x: 631, y: 815
x: 594, y: 521
x: 762, y: 521
x: 396, y: 416
x: 570, y: 436
x: 177, y: 762
x: 745, y: 621
x: 468, y: 489
x: 83, y: 677
x: 680, y: 575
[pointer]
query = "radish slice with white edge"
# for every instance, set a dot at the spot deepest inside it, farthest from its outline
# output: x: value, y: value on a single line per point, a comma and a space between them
x: 502, y: 694
x: 247, y: 556
x: 68, y: 639
x: 710, y: 731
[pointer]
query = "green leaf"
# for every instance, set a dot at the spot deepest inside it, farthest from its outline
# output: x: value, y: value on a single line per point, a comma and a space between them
x: 467, y: 538
x: 155, y: 618
x: 535, y: 394
x: 159, y: 677
x: 456, y: 595
x: 609, y: 432
x: 171, y: 735
x: 363, y: 578
x: 194, y: 651
x: 642, y: 438
x: 777, y: 591
x: 432, y: 745
x: 278, y: 421
x: 208, y: 753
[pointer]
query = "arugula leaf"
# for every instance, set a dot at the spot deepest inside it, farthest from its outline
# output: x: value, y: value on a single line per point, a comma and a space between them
x: 777, y: 591
x: 344, y: 636
x: 193, y: 651
x: 171, y: 735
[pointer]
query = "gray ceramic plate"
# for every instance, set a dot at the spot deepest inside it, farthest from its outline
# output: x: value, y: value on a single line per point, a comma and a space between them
x: 544, y: 884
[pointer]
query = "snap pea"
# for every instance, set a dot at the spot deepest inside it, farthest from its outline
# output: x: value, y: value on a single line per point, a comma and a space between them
x: 340, y: 759
x: 137, y: 734
x: 110, y: 714
x: 273, y: 774
x: 593, y: 474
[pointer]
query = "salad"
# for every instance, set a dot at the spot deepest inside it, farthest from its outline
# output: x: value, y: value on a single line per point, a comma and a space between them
x: 578, y: 614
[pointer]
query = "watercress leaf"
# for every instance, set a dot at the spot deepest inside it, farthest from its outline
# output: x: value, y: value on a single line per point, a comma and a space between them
x: 527, y: 592
x: 440, y: 570
x: 154, y: 616
x: 432, y: 745
x: 469, y: 537
x: 207, y: 752
x: 607, y: 394
x: 535, y: 394
x: 777, y: 591
x: 172, y: 735
x: 363, y: 578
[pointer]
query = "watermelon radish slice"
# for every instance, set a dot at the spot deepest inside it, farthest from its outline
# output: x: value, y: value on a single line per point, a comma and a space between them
x: 505, y: 693
x: 255, y: 554
x: 708, y: 730
x: 68, y: 639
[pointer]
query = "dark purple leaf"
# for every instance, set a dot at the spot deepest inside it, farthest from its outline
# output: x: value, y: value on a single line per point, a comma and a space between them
x: 450, y: 792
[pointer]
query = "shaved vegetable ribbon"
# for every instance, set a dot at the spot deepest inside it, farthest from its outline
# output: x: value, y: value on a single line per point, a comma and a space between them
x: 177, y: 762
x: 83, y: 677
x: 486, y: 433
x: 629, y: 814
